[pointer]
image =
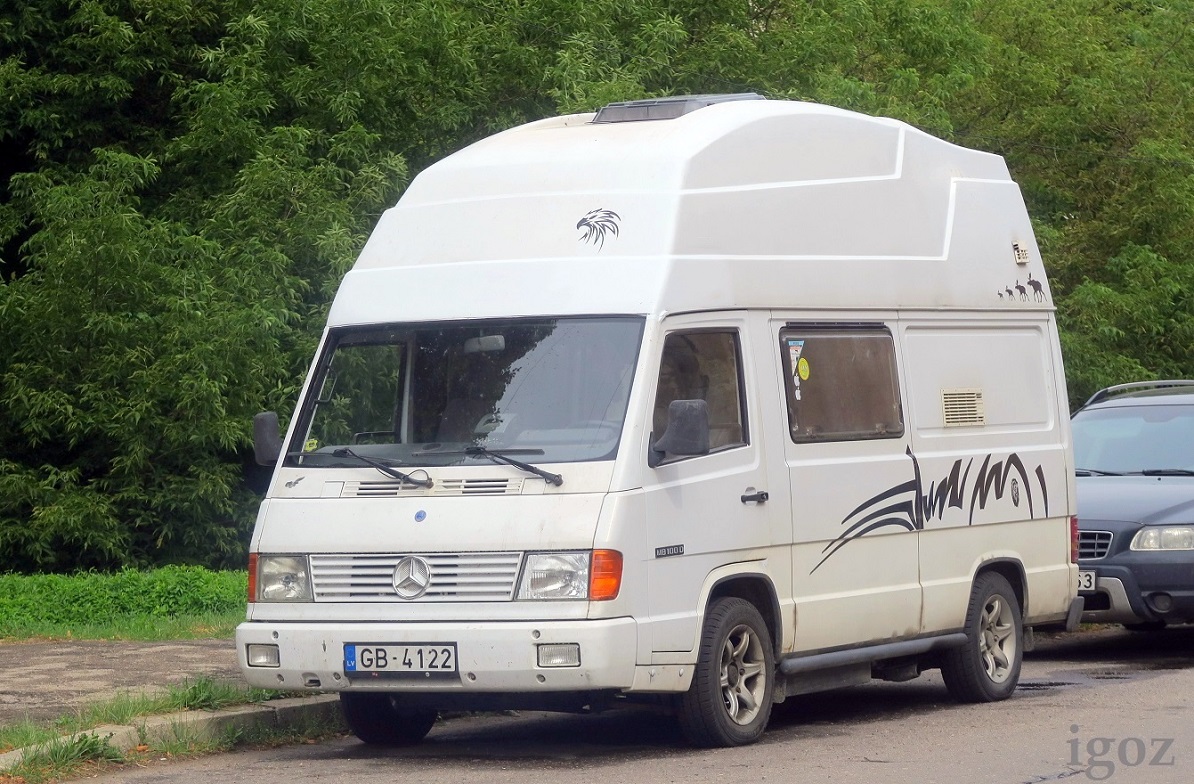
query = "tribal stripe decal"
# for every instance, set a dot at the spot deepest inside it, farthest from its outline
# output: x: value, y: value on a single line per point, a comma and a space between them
x: 909, y: 506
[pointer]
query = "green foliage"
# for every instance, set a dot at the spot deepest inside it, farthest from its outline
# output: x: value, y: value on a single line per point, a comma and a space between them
x: 1136, y: 323
x: 1093, y: 103
x: 63, y: 601
x: 210, y: 694
x: 63, y: 757
x: 69, y: 745
x: 183, y: 183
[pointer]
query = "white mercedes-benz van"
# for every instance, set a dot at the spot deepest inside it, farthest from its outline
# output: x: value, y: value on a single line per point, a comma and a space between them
x: 701, y: 401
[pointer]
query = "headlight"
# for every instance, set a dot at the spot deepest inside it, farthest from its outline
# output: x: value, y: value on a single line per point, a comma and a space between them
x: 555, y: 576
x: 1174, y: 537
x: 283, y: 578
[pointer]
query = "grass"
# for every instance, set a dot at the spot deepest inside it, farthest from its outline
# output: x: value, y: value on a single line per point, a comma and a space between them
x: 62, y: 758
x: 67, y: 749
x: 173, y: 602
x: 128, y: 627
x: 196, y: 694
x: 90, y: 754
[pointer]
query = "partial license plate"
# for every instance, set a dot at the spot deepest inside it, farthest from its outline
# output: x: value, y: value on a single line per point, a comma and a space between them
x: 422, y: 658
x: 1086, y: 581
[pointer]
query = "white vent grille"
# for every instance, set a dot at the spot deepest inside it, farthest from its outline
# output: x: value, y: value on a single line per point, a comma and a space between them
x: 477, y: 487
x: 963, y: 407
x: 455, y: 577
x: 392, y: 488
x: 1020, y: 252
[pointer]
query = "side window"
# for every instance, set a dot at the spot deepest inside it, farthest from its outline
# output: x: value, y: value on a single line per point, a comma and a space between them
x: 841, y: 384
x: 704, y: 365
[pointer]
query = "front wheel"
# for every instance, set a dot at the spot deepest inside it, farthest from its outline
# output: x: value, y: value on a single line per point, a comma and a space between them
x: 729, y: 701
x: 987, y: 667
x: 378, y: 719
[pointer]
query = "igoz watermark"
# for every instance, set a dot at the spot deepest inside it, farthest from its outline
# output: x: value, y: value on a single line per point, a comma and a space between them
x: 1103, y: 754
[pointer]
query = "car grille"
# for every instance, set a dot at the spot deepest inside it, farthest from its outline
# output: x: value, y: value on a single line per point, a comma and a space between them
x: 455, y: 577
x: 393, y: 489
x: 1093, y: 544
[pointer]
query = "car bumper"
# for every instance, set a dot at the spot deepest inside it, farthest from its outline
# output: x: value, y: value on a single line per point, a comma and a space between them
x: 1141, y: 588
x: 496, y: 657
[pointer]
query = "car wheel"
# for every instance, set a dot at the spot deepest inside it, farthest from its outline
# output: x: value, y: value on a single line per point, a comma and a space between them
x: 987, y: 667
x: 729, y: 701
x: 379, y: 720
x: 1146, y: 626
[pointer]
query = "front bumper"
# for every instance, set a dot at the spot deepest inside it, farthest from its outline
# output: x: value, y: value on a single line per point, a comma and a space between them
x: 1134, y: 587
x: 495, y: 657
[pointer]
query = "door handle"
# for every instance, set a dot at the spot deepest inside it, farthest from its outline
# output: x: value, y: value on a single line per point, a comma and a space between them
x: 758, y: 497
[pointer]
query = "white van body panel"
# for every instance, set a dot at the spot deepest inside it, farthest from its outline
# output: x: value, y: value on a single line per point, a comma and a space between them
x: 751, y: 221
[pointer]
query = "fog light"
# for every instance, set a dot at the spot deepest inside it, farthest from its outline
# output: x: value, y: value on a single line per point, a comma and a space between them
x: 1161, y: 602
x: 264, y: 656
x: 559, y: 655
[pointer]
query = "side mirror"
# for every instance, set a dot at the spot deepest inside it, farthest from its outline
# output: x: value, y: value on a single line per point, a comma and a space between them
x: 687, y: 431
x: 267, y: 438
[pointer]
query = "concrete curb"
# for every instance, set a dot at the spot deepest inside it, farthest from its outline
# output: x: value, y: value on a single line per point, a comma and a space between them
x: 201, y: 725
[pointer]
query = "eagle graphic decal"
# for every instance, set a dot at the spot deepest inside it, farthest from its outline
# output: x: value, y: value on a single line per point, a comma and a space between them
x: 598, y: 225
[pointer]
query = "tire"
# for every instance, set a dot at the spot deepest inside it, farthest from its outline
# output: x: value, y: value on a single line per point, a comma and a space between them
x: 378, y: 719
x: 729, y: 701
x: 987, y: 667
x: 1145, y: 626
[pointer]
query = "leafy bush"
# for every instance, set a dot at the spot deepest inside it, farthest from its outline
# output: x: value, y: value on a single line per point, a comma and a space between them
x: 182, y: 184
x: 83, y: 598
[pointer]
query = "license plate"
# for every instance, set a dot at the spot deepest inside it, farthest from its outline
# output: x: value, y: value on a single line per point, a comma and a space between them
x: 1086, y: 581
x: 390, y: 658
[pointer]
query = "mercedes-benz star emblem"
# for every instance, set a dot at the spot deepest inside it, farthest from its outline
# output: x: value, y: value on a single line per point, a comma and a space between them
x: 412, y: 575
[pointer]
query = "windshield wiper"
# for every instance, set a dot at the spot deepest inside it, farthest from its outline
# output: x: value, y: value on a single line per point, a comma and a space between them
x: 1094, y: 472
x: 500, y: 456
x: 1167, y: 472
x: 380, y: 466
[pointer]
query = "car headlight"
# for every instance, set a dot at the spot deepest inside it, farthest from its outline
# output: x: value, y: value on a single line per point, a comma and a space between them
x: 1172, y: 537
x: 555, y: 576
x: 587, y: 574
x: 283, y: 578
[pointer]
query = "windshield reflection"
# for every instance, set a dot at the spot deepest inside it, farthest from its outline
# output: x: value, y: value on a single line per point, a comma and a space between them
x: 555, y: 390
x: 1131, y: 439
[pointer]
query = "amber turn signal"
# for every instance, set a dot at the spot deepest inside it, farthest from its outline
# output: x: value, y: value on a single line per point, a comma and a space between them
x: 605, y: 577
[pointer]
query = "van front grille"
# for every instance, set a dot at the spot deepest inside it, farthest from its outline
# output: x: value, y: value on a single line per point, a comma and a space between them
x: 455, y: 577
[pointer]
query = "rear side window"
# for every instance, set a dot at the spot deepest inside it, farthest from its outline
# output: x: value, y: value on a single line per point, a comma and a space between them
x: 841, y: 383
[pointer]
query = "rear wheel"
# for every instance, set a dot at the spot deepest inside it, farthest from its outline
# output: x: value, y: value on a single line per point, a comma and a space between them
x: 729, y: 701
x: 987, y: 667
x: 378, y: 719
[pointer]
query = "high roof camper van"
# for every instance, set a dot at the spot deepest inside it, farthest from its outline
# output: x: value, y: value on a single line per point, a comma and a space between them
x: 701, y: 402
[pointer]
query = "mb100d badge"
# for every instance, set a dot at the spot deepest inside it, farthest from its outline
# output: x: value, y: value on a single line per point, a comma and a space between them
x: 412, y: 575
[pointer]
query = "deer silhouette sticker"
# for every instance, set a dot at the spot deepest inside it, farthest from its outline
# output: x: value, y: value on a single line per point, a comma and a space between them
x: 1018, y: 292
x: 1037, y: 290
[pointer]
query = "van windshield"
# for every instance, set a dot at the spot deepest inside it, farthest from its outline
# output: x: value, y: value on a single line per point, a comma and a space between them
x: 547, y: 390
